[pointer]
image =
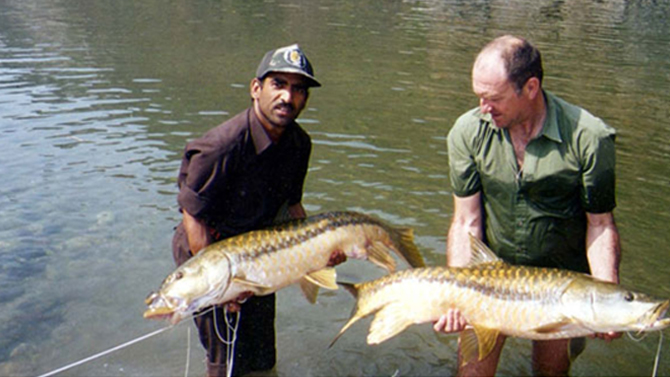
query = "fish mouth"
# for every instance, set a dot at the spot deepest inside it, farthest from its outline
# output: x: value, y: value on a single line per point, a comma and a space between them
x: 163, y: 307
x: 658, y: 317
x: 661, y: 311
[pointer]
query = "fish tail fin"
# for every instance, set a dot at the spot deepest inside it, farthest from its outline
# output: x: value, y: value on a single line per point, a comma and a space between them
x: 406, y: 248
x: 379, y: 254
x: 355, y: 313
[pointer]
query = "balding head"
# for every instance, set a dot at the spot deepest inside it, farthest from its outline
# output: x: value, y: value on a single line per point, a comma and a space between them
x: 516, y: 57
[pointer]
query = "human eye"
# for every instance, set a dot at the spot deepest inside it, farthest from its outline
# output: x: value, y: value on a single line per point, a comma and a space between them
x: 277, y: 83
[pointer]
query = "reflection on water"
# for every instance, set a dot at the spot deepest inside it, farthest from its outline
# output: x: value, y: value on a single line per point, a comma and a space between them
x: 97, y: 100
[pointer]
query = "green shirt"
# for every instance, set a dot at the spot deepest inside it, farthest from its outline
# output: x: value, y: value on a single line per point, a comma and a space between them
x: 537, y: 216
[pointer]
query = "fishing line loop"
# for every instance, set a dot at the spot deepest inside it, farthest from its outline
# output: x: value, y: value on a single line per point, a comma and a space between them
x: 636, y: 338
x: 231, y: 337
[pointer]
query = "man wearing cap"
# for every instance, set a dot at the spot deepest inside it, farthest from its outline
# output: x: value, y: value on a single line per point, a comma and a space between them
x: 244, y: 175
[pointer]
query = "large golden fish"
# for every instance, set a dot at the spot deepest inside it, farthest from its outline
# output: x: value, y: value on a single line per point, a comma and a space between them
x: 264, y: 261
x: 496, y: 297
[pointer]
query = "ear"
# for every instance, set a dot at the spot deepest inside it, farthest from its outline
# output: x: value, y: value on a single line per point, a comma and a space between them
x: 255, y: 88
x: 532, y: 87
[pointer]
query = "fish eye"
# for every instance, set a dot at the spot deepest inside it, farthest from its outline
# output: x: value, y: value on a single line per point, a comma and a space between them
x: 629, y: 296
x: 178, y: 275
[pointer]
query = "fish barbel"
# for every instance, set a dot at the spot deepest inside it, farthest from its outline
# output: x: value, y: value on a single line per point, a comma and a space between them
x: 499, y: 298
x: 264, y: 261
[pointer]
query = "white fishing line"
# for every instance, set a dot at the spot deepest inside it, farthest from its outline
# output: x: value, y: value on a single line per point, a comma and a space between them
x: 658, y: 354
x: 188, y: 351
x: 636, y: 339
x: 657, y: 359
x: 231, y: 330
x: 103, y: 353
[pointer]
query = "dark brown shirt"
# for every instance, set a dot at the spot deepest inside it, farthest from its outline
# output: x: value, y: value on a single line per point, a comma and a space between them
x: 236, y: 179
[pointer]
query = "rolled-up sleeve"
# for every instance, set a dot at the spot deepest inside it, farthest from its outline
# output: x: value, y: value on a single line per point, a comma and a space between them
x: 200, y: 176
x: 463, y: 174
x: 598, y: 170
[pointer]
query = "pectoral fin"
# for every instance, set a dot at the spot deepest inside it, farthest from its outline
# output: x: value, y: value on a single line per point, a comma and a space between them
x: 257, y: 288
x: 477, y: 343
x: 389, y: 322
x: 566, y: 324
x: 325, y: 278
x: 310, y: 283
x: 309, y: 289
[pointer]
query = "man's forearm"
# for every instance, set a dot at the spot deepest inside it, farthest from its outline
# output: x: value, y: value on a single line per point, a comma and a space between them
x: 603, y: 248
x: 458, y: 245
x: 467, y: 219
x: 197, y: 233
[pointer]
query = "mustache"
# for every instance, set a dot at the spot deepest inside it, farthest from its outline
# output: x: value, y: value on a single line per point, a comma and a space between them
x: 285, y: 106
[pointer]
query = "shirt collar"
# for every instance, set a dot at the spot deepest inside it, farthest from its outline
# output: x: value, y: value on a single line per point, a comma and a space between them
x: 550, y: 129
x: 261, y: 139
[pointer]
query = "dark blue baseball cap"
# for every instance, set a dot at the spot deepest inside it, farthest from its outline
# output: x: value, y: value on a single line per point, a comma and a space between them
x: 289, y: 59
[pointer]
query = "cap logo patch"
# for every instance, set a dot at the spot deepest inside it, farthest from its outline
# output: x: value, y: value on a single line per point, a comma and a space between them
x: 289, y: 59
x: 295, y: 58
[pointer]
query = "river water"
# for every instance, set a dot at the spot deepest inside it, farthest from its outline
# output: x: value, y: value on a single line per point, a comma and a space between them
x: 98, y: 98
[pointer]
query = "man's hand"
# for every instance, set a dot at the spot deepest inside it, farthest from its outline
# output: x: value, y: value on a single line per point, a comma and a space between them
x: 450, y: 322
x: 236, y: 305
x: 608, y: 337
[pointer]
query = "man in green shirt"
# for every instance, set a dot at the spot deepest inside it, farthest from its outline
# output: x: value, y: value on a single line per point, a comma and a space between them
x: 534, y: 177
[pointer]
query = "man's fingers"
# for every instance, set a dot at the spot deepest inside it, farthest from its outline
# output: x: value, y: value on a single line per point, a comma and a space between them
x: 440, y: 324
x: 233, y: 307
x: 450, y: 322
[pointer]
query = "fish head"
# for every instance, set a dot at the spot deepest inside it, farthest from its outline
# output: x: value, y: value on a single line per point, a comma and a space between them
x: 194, y: 285
x: 607, y: 307
x: 625, y: 310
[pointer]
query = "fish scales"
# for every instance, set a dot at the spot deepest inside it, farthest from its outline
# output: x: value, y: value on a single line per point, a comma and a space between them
x: 498, y: 298
x: 254, y: 244
x: 488, y: 296
x: 268, y: 247
x: 264, y: 261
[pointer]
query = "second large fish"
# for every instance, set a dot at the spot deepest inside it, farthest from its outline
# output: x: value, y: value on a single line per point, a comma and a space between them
x: 264, y: 261
x: 499, y: 298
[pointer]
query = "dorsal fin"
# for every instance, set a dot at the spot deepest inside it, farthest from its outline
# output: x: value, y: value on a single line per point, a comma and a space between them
x: 480, y: 252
